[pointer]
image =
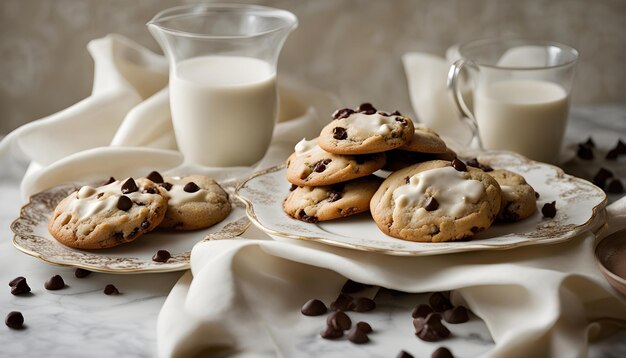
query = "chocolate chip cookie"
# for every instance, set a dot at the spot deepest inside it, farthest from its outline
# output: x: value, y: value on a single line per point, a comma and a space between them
x: 398, y: 159
x: 436, y: 201
x: 109, y: 215
x: 321, y: 203
x: 518, y: 198
x: 365, y: 130
x: 310, y: 165
x: 425, y: 140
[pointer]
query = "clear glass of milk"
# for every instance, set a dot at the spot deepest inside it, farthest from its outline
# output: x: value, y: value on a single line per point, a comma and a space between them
x: 223, y: 94
x: 521, y: 94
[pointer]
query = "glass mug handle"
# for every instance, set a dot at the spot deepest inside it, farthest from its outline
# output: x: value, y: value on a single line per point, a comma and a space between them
x: 453, y: 86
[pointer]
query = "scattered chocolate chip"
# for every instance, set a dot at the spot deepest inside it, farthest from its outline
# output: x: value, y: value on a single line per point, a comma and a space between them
x: 549, y: 210
x: 110, y: 290
x: 431, y: 204
x: 366, y: 108
x: 14, y: 320
x: 364, y: 327
x: 331, y: 333
x: 620, y: 147
x: 442, y: 352
x: 340, y: 133
x: 590, y: 143
x: 342, y: 113
x: 155, y: 177
x: 339, y: 320
x: 306, y: 218
x: 363, y: 304
x: 430, y: 329
x: 459, y: 165
x: 456, y: 315
x: 439, y: 302
x: 352, y: 287
x: 161, y: 256
x: 343, y: 303
x: 124, y: 203
x: 293, y: 187
x: 601, y: 177
x: 357, y: 336
x: 612, y: 154
x: 421, y: 310
x: 81, y: 273
x: 191, y: 187
x: 333, y: 196
x: 109, y: 181
x: 313, y: 307
x: 129, y: 186
x: 584, y: 152
x: 19, y: 286
x: 320, y: 166
x: 404, y: 354
x: 615, y: 187
x: 54, y: 283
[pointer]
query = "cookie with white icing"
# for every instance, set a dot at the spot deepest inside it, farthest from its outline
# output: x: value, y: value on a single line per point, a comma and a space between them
x: 436, y: 201
x: 108, y: 215
x: 194, y: 202
x: 365, y: 131
x: 312, y: 204
x: 518, y: 197
x: 310, y: 165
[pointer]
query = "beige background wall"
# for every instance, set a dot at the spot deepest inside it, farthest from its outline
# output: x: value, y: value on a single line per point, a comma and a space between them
x: 351, y: 47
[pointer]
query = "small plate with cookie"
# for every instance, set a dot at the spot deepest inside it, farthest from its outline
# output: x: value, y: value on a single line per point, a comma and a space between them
x: 377, y: 182
x: 131, y: 225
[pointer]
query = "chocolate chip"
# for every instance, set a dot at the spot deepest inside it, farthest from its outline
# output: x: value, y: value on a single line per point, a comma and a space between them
x: 363, y: 304
x: 151, y: 190
x: 456, y: 315
x: 474, y: 163
x: 612, y: 154
x: 590, y: 143
x: 442, y: 352
x: 19, y: 286
x: 352, y: 287
x: 439, y: 302
x: 145, y: 224
x: 191, y: 187
x: 401, y: 120
x: 124, y: 203
x: 166, y: 186
x: 109, y: 181
x: 364, y: 327
x: 54, y: 283
x: 133, y: 233
x: 306, y: 218
x: 342, y: 113
x: 293, y: 187
x: 313, y: 307
x: 536, y: 195
x: 129, y: 186
x: 340, y: 133
x: 357, y: 336
x: 421, y: 310
x: 339, y: 320
x: 333, y: 196
x: 459, y: 165
x: 161, y: 256
x: 404, y: 354
x: 384, y: 114
x: 430, y: 329
x: 366, y: 108
x: 407, y: 180
x: 81, y: 273
x: 396, y: 113
x: 119, y: 236
x: 331, y: 333
x: 584, y: 152
x: 615, y: 187
x: 14, y: 320
x: 549, y: 210
x: 343, y: 303
x: 155, y: 177
x: 601, y: 176
x: 620, y: 147
x: 431, y: 204
x: 111, y: 290
x: 320, y: 166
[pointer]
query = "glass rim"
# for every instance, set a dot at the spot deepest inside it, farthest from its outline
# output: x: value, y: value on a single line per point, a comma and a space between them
x: 291, y: 21
x: 521, y: 41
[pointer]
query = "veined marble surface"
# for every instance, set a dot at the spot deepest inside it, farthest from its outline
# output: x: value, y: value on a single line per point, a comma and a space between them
x: 81, y: 321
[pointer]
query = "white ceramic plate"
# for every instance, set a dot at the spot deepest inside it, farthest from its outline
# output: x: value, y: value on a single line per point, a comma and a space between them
x: 32, y: 238
x: 577, y: 202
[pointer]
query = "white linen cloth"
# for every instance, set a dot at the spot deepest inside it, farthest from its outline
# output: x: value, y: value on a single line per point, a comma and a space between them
x: 242, y: 296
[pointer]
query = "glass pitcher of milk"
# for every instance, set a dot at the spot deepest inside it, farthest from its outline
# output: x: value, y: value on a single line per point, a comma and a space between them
x: 223, y: 94
x: 520, y: 94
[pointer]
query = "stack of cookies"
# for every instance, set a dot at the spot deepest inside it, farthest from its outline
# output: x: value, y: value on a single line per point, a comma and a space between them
x: 120, y: 211
x: 431, y: 195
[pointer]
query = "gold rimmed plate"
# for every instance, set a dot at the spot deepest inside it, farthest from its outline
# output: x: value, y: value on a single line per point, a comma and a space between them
x: 32, y: 237
x: 578, y: 203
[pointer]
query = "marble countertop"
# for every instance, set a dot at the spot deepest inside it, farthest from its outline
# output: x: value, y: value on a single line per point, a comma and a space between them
x: 81, y: 320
